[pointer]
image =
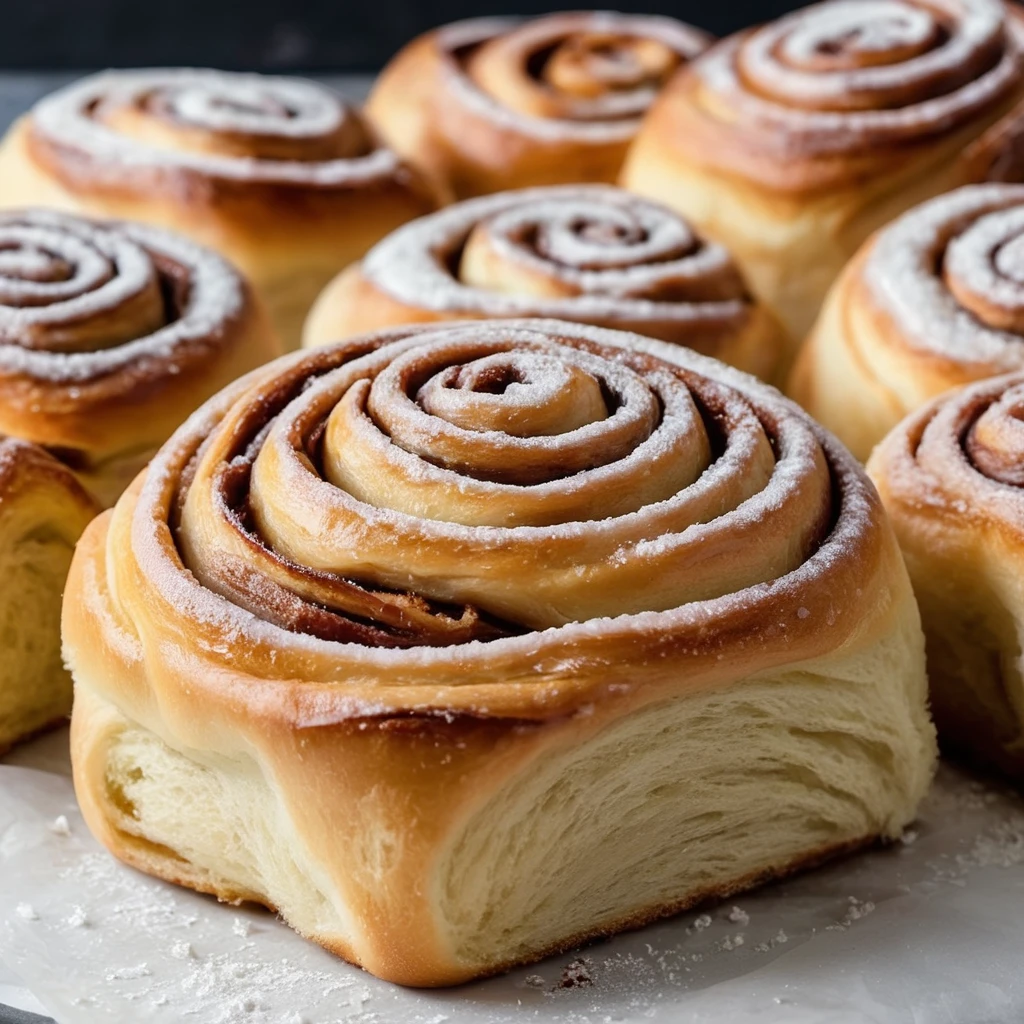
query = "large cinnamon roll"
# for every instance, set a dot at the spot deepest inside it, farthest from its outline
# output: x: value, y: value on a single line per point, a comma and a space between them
x: 111, y: 334
x: 951, y: 476
x: 587, y: 253
x: 791, y: 143
x: 43, y: 511
x: 497, y: 103
x: 458, y: 645
x: 934, y: 301
x: 278, y: 174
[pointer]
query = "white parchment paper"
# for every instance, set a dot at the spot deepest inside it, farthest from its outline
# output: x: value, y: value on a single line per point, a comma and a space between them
x: 930, y: 930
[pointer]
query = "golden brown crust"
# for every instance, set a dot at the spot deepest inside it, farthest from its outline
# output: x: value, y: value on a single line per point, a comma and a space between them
x: 932, y: 302
x: 277, y: 174
x: 587, y: 253
x: 507, y: 636
x: 470, y: 105
x: 111, y: 334
x: 950, y: 478
x: 43, y: 510
x: 792, y: 142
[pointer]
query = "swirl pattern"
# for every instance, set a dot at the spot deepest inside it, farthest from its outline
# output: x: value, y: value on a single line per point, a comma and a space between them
x: 564, y: 87
x: 98, y: 318
x: 850, y: 75
x: 793, y: 143
x: 279, y: 175
x: 937, y: 300
x: 428, y: 580
x: 223, y: 127
x: 566, y: 476
x: 578, y: 67
x: 590, y: 254
x: 951, y: 477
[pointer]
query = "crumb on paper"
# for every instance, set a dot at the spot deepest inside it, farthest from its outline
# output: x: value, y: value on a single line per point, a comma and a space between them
x: 534, y: 981
x: 856, y: 910
x: 576, y: 974
x: 182, y: 950
x: 909, y: 836
x: 738, y: 916
x: 241, y: 927
x: 129, y: 973
x: 702, y: 922
x: 78, y: 918
x: 59, y: 826
x: 26, y: 912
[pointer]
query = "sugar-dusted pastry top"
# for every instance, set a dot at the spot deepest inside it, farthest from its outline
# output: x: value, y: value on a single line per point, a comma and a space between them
x: 593, y: 74
x: 532, y: 484
x: 204, y: 132
x: 111, y: 333
x: 570, y: 252
x: 949, y: 275
x: 497, y: 103
x: 841, y: 79
x: 935, y: 300
x: 960, y: 460
x: 81, y: 299
x: 587, y: 253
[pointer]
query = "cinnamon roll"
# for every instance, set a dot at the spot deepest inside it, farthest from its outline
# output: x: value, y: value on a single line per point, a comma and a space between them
x: 951, y: 476
x: 446, y: 641
x: 43, y: 511
x: 278, y: 174
x: 587, y: 253
x: 111, y: 334
x: 497, y: 103
x: 792, y: 142
x: 934, y: 301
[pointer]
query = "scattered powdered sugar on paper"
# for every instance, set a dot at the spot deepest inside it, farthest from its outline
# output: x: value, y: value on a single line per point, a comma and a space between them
x: 60, y: 826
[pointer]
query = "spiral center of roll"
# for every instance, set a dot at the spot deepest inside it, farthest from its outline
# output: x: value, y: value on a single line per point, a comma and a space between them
x: 588, y: 65
x: 522, y: 394
x: 1009, y: 260
x: 984, y: 269
x: 31, y: 263
x: 862, y: 34
x: 934, y: 61
x: 995, y: 440
x: 70, y: 286
x: 227, y: 115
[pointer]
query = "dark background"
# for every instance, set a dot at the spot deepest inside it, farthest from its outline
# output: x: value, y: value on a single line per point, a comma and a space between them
x: 268, y: 35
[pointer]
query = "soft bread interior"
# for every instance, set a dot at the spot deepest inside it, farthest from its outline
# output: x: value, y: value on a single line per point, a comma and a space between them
x: 35, y: 553
x: 698, y: 796
x: 210, y: 822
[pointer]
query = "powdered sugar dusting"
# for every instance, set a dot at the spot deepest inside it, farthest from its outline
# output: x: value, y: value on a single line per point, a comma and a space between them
x: 615, y: 105
x: 78, y: 119
x: 775, y: 476
x: 630, y: 278
x: 840, y: 76
x: 959, y: 311
x: 47, y: 328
